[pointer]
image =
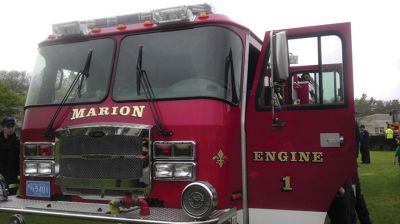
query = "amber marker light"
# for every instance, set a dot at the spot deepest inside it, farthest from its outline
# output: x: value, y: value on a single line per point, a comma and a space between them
x: 203, y: 15
x: 121, y: 26
x: 95, y: 30
x: 148, y: 23
x: 236, y: 196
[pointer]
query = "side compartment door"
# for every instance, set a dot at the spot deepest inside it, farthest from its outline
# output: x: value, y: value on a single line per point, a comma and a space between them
x: 299, y: 161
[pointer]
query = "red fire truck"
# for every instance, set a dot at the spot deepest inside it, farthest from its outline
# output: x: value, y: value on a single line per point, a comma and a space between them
x: 181, y: 115
x: 395, y: 125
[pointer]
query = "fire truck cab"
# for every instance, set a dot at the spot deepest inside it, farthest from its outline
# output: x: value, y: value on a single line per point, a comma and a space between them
x: 181, y: 115
x: 395, y: 125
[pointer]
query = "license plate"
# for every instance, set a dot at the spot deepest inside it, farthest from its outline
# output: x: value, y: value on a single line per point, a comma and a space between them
x: 38, y: 189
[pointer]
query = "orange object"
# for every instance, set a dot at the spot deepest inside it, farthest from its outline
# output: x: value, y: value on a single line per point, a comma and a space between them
x: 203, y: 15
x: 148, y: 23
x: 121, y: 26
x: 95, y: 30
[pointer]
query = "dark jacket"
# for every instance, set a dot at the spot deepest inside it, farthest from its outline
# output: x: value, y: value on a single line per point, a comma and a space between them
x: 9, y: 157
x: 364, y: 138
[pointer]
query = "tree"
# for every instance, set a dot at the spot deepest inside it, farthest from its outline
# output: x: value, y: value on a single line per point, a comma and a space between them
x: 367, y: 106
x: 362, y: 105
x: 393, y: 105
x: 11, y: 103
x: 13, y: 90
x: 17, y: 81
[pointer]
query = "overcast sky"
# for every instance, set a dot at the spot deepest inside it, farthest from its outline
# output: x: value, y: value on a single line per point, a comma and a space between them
x: 375, y: 29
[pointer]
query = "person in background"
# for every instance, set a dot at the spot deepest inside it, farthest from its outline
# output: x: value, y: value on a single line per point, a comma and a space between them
x: 357, y: 139
x: 9, y: 154
x: 389, y: 138
x: 359, y: 203
x: 364, y: 148
x: 397, y: 152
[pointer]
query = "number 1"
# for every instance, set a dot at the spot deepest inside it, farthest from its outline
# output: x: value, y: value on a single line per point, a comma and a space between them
x: 286, y: 184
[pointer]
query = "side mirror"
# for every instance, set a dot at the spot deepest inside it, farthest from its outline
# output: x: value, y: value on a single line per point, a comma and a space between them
x: 280, y: 56
x: 279, y: 62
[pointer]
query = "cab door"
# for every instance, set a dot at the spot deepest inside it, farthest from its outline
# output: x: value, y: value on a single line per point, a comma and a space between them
x: 301, y: 136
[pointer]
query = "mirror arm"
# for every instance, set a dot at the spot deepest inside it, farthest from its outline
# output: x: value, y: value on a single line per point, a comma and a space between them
x: 275, y: 120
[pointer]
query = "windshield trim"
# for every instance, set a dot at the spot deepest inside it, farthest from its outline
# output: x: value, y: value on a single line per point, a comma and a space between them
x: 227, y: 27
x: 109, y: 82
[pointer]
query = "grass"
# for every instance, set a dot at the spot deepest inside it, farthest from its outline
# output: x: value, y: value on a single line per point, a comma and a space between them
x: 380, y: 184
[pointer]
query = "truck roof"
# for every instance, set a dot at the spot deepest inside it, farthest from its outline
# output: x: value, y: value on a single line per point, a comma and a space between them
x: 188, y: 16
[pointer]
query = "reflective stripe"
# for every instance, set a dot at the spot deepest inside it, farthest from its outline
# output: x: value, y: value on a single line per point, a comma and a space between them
x: 389, y: 133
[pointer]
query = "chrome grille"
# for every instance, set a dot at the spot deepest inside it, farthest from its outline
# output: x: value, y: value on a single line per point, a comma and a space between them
x: 102, y: 156
x: 108, y: 144
x: 119, y: 168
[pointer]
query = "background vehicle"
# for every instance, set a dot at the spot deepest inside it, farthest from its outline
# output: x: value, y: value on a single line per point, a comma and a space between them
x: 190, y: 117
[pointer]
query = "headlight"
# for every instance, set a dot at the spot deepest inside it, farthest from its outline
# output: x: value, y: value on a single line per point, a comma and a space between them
x: 183, y: 171
x: 199, y: 199
x: 163, y: 171
x: 175, y: 171
x: 38, y: 168
x: 30, y: 168
x: 45, y: 168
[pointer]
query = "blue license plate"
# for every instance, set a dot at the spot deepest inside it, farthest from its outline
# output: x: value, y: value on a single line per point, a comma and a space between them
x: 38, y: 189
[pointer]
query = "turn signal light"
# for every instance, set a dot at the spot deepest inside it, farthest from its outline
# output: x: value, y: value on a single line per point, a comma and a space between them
x: 30, y: 149
x: 38, y: 150
x: 174, y: 150
x: 45, y: 150
x: 163, y: 150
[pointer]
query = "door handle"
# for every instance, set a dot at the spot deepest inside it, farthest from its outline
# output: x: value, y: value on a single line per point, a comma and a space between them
x: 331, y: 140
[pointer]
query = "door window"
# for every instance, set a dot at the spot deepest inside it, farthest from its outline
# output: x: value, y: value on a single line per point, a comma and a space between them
x: 316, y: 75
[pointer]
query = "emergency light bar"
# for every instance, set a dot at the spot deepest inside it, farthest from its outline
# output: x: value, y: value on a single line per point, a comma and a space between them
x: 71, y: 28
x: 159, y: 16
x: 171, y: 15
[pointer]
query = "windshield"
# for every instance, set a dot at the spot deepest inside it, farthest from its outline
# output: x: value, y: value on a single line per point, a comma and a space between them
x: 57, y: 66
x: 191, y: 63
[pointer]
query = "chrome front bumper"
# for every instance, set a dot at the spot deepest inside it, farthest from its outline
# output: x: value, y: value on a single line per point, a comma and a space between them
x: 55, y: 211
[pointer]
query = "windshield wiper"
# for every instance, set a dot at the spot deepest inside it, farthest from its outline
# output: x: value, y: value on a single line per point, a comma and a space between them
x: 142, y: 79
x: 229, y: 66
x: 85, y: 72
x: 81, y: 75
